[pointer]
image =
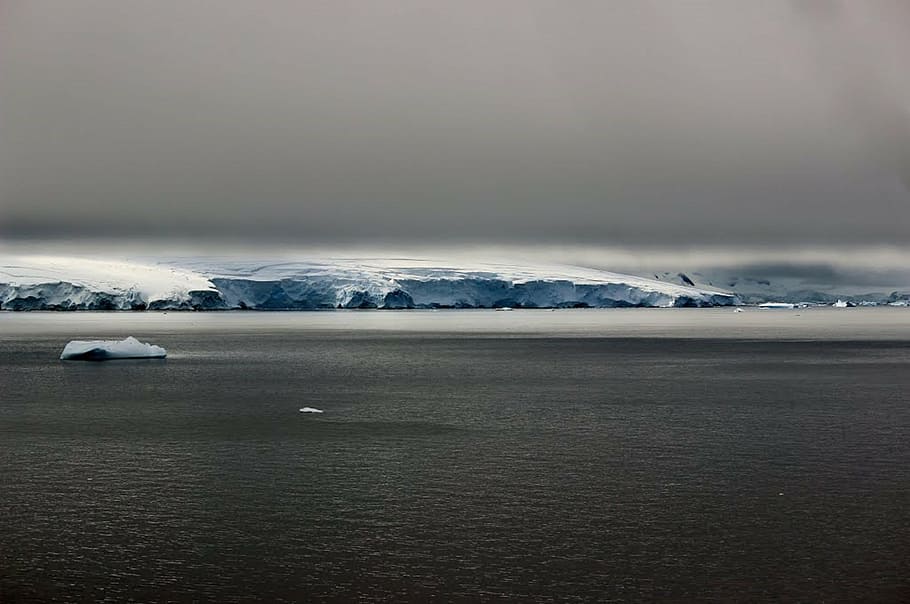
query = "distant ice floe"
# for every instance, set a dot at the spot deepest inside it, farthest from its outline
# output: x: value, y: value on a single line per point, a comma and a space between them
x: 311, y: 410
x: 104, y: 350
x: 777, y: 305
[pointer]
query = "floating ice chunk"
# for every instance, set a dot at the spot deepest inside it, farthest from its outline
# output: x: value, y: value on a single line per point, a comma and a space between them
x: 737, y: 310
x: 311, y: 410
x: 777, y: 305
x: 103, y: 350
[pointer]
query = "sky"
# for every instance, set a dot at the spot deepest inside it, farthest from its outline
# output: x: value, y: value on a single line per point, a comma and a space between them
x: 591, y: 123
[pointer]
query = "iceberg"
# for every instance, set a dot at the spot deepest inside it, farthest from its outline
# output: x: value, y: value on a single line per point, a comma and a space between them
x: 311, y: 410
x: 103, y: 350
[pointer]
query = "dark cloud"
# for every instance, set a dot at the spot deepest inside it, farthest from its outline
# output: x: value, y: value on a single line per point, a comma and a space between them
x: 596, y: 122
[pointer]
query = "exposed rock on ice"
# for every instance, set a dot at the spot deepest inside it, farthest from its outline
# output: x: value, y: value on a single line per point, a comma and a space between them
x: 104, y: 350
x: 796, y: 283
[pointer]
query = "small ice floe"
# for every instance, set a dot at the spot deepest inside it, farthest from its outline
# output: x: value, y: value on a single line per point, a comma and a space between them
x: 104, y: 350
x: 777, y: 305
x: 840, y: 304
x: 311, y: 410
x: 503, y: 308
x: 737, y: 310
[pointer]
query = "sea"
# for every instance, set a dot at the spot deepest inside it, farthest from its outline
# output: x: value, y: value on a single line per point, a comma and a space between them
x: 617, y: 455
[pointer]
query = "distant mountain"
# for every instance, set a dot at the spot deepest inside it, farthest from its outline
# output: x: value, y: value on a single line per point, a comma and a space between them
x: 755, y: 286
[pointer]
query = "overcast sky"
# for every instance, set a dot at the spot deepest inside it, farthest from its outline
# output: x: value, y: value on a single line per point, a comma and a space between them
x: 601, y: 122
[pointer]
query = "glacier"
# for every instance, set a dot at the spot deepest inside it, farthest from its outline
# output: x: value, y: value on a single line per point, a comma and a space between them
x: 68, y: 283
x: 104, y: 350
x: 64, y: 283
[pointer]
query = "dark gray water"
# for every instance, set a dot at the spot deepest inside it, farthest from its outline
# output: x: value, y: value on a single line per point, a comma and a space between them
x: 537, y: 464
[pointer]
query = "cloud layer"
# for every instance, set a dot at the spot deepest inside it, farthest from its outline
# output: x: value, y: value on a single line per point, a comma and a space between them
x: 518, y: 121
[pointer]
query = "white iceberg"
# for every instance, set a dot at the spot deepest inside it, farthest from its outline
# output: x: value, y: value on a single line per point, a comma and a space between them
x: 311, y: 410
x: 103, y: 350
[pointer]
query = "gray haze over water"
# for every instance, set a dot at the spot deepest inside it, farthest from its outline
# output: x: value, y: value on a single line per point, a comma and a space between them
x: 595, y: 122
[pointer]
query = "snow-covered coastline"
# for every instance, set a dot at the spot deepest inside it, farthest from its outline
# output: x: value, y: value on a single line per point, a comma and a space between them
x: 69, y: 283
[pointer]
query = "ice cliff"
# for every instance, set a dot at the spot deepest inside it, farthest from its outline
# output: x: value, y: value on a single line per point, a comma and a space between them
x: 59, y: 283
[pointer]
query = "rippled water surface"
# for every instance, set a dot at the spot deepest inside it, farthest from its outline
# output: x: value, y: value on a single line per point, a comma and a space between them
x: 577, y: 455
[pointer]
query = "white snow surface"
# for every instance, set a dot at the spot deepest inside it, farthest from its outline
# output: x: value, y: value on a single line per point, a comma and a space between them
x: 54, y: 282
x: 386, y: 271
x: 75, y: 283
x: 100, y: 350
x: 153, y: 281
